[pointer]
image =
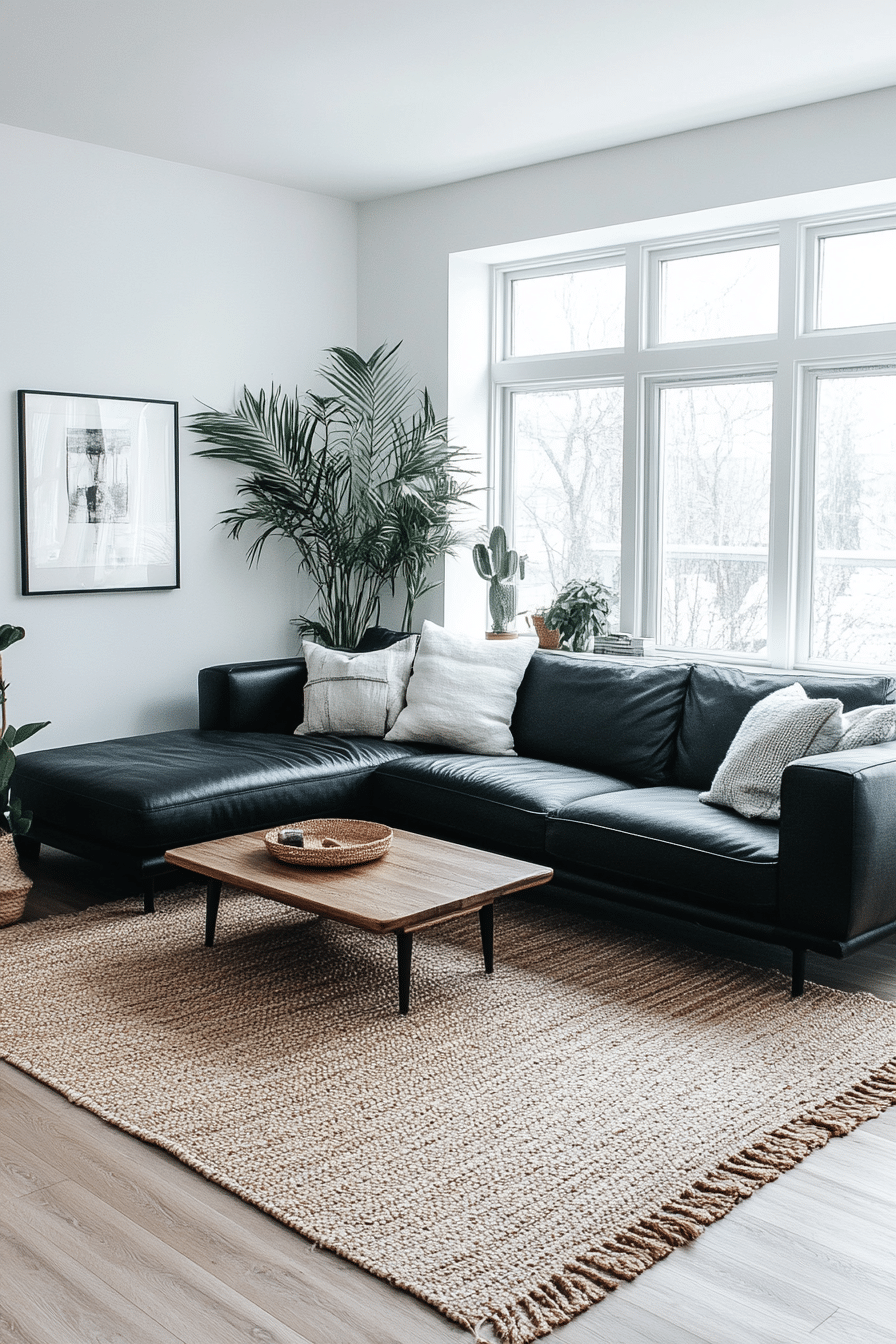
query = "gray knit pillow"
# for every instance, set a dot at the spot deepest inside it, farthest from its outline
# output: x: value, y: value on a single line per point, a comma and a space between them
x: 355, y: 694
x: 783, y: 727
x: 866, y: 727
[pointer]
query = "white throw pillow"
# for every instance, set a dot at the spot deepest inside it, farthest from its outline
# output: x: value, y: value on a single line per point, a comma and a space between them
x: 463, y: 691
x: 781, y: 728
x: 356, y: 694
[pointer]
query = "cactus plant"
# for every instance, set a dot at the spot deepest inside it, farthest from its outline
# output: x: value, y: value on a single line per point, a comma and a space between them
x: 498, y: 564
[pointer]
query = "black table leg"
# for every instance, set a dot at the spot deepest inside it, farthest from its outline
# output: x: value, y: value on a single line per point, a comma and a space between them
x: 487, y: 929
x: 149, y: 892
x: 212, y: 897
x: 798, y: 981
x: 405, y: 946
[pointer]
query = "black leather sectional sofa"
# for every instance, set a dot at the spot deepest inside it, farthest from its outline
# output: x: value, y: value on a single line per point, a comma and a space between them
x: 611, y: 757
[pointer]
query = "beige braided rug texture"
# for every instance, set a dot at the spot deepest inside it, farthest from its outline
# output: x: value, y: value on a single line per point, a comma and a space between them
x: 509, y: 1151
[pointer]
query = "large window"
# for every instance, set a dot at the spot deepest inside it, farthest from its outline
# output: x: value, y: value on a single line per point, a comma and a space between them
x: 715, y: 449
x: 567, y: 487
x: 708, y: 425
x: 854, y: 560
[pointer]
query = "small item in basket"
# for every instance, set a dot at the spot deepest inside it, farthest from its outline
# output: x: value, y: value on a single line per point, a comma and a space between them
x: 291, y: 835
x: 329, y: 843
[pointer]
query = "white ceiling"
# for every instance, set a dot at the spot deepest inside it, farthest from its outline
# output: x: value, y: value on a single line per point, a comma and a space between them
x: 366, y: 98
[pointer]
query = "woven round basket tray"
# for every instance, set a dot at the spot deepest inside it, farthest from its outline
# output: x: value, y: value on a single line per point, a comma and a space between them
x: 332, y: 842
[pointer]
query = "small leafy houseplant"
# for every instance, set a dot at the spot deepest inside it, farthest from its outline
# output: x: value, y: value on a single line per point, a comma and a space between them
x: 12, y: 818
x: 579, y: 612
x: 497, y: 564
x: 364, y: 482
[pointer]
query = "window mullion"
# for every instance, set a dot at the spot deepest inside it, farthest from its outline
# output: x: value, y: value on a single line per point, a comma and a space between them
x: 804, y: 513
x: 632, y: 566
x: 783, y: 503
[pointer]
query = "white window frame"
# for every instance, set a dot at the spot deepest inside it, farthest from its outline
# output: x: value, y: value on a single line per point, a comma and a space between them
x: 810, y: 376
x: 504, y: 321
x: 653, y: 388
x: 812, y: 234
x: 652, y: 285
x: 792, y: 359
x: 502, y: 479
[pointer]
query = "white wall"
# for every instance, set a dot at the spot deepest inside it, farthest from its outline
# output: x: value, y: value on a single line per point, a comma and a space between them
x: 405, y: 241
x: 131, y: 276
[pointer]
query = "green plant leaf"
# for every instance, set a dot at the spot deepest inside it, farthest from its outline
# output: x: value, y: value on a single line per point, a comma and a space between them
x: 7, y: 765
x: 19, y: 819
x: 579, y: 608
x: 10, y: 634
x: 27, y: 730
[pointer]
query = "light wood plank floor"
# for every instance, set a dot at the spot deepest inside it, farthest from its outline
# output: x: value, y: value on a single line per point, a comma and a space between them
x: 104, y: 1238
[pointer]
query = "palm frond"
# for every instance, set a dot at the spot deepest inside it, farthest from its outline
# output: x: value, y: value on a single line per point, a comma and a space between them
x: 373, y: 396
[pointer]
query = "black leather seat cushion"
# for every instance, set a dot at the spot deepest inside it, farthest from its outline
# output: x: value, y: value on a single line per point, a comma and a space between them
x: 665, y: 835
x: 501, y: 799
x: 719, y: 698
x: 166, y: 789
x: 620, y: 719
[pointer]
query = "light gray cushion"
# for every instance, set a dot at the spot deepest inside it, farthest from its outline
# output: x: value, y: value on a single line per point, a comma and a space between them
x: 355, y: 694
x: 783, y: 727
x: 866, y: 726
x: 463, y: 691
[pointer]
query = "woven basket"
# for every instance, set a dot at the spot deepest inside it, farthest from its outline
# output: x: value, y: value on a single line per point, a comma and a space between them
x: 547, y: 638
x: 14, y: 885
x: 356, y: 842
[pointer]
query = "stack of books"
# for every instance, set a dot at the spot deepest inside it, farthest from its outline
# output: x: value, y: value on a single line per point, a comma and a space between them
x: 628, y: 646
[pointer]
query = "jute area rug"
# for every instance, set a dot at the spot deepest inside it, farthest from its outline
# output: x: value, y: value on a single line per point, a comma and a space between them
x: 509, y: 1151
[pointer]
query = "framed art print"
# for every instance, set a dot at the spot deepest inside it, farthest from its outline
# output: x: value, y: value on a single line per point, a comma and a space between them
x: 99, y: 493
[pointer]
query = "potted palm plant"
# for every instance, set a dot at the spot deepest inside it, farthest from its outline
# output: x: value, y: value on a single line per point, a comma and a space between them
x: 364, y: 482
x: 14, y: 885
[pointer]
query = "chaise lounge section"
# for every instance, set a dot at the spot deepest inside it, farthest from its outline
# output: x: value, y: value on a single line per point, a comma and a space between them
x: 612, y: 755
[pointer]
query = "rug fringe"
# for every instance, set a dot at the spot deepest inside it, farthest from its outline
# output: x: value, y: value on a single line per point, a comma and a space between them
x: 595, y: 1273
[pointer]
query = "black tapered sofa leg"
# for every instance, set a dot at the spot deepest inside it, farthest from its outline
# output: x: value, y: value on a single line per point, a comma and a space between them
x: 798, y: 981
x: 149, y: 897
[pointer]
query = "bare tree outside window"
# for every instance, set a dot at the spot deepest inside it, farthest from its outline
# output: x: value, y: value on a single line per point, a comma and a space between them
x: 574, y: 310
x: 568, y: 489
x: 854, y: 565
x: 719, y: 295
x: 716, y: 461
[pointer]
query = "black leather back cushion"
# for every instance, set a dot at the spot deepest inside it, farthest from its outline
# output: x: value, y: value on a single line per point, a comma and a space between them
x: 264, y: 697
x: 617, y: 718
x: 719, y: 698
x: 380, y: 637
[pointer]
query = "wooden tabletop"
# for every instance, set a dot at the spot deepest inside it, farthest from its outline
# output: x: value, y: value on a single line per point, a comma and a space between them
x: 419, y: 881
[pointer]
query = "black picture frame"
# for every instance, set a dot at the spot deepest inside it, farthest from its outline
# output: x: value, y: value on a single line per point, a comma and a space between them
x: 99, y: 493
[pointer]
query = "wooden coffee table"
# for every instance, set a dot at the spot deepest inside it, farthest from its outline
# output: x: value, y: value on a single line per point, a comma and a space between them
x: 419, y: 883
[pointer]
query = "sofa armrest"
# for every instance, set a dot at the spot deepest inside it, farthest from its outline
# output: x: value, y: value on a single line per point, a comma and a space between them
x: 263, y: 697
x: 837, y: 860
